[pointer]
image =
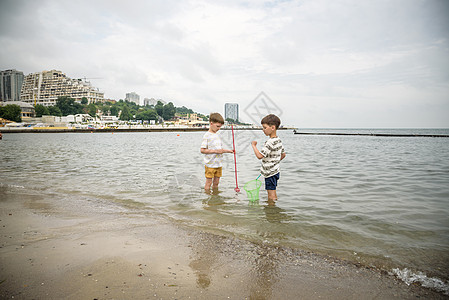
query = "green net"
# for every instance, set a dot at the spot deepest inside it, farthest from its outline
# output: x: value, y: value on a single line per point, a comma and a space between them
x: 252, y: 189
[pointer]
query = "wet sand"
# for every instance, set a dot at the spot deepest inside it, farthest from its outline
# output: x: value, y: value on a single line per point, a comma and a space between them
x: 47, y: 252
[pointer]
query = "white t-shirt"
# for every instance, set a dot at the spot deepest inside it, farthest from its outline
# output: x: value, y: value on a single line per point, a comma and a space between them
x: 212, y: 141
x: 271, y: 152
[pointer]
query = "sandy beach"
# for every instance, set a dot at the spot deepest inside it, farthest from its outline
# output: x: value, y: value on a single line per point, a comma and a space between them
x: 48, y: 252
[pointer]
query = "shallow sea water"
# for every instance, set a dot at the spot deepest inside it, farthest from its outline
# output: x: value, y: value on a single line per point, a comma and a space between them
x: 378, y: 201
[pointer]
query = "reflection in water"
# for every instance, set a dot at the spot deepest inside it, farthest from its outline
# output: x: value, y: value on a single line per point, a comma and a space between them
x: 275, y: 214
x: 214, y: 200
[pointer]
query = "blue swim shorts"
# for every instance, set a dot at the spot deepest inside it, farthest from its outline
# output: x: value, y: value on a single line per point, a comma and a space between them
x: 272, y: 182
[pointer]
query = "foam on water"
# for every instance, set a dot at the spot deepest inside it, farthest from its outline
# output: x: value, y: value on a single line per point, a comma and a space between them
x: 410, y: 277
x: 12, y: 186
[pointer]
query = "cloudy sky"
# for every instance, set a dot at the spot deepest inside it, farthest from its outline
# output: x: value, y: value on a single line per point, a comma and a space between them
x: 323, y: 63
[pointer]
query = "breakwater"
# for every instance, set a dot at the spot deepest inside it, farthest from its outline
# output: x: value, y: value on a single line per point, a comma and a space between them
x: 372, y: 134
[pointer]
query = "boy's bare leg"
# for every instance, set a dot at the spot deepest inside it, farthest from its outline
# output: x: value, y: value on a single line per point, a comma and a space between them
x: 208, y: 183
x: 272, y: 196
x: 216, y: 182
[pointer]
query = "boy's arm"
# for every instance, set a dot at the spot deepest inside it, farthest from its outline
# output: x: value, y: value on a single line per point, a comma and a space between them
x: 215, y: 151
x: 282, y: 153
x: 256, y: 151
x: 205, y: 150
x: 208, y: 151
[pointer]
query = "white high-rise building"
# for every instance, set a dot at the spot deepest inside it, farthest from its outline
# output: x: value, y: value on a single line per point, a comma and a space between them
x: 232, y: 111
x: 10, y: 85
x: 152, y: 101
x: 133, y: 97
x: 45, y: 87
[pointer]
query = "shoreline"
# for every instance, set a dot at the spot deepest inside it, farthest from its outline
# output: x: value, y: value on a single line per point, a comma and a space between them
x: 50, y: 252
x: 115, y: 130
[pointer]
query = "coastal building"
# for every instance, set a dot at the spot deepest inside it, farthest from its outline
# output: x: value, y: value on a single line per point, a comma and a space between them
x: 26, y: 109
x: 133, y: 97
x: 105, y: 100
x: 190, y: 120
x: 110, y: 100
x: 10, y: 85
x: 147, y: 101
x: 153, y: 101
x: 45, y: 87
x: 232, y: 111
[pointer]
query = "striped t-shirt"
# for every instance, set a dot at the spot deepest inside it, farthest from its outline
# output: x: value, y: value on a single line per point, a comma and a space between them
x: 271, y: 151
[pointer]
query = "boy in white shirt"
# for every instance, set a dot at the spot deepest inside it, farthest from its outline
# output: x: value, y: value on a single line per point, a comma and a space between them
x: 271, y: 154
x: 212, y: 147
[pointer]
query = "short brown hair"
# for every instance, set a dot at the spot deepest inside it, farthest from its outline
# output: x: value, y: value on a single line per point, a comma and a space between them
x: 216, y: 118
x: 271, y: 120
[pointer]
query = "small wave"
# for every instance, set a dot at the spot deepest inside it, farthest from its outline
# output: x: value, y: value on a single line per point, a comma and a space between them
x: 12, y: 186
x: 433, y: 283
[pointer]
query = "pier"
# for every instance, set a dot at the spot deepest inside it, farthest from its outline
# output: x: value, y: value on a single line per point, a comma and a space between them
x: 373, y: 134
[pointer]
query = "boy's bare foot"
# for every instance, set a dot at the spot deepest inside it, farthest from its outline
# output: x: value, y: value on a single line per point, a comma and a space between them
x: 272, y: 201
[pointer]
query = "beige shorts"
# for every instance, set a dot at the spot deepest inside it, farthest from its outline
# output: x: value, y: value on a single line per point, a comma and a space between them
x: 213, y: 172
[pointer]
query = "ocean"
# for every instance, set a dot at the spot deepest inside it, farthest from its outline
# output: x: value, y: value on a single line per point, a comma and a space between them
x: 374, y: 201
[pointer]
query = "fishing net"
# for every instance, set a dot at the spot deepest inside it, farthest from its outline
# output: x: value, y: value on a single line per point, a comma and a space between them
x: 252, y: 189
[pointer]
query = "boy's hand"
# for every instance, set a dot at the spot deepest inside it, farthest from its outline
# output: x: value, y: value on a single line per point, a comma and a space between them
x: 256, y: 151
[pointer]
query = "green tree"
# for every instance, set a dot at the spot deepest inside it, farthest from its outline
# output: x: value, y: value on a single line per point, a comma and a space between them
x: 114, y: 110
x: 105, y: 109
x: 125, y: 115
x: 169, y: 111
x: 151, y: 114
x: 92, y: 110
x: 84, y: 101
x: 68, y: 106
x: 41, y: 110
x: 11, y: 112
x: 147, y: 114
x: 159, y: 108
x: 184, y: 110
x: 54, y: 111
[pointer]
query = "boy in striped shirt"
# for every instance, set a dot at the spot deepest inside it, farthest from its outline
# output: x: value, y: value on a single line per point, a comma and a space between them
x: 271, y: 155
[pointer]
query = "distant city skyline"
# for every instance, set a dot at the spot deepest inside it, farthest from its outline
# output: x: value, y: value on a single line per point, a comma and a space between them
x: 338, y: 64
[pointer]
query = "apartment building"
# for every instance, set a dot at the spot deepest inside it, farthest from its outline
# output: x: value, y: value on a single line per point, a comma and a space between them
x: 153, y: 101
x: 133, y: 97
x: 45, y: 87
x: 10, y: 85
x: 232, y: 111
